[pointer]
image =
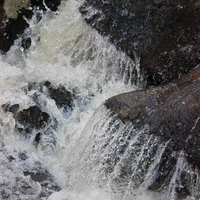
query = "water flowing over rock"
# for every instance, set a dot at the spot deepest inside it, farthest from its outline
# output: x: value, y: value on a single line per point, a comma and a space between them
x: 34, y: 123
x: 14, y: 16
x: 137, y: 145
x: 165, y: 34
x: 171, y: 111
x: 146, y: 140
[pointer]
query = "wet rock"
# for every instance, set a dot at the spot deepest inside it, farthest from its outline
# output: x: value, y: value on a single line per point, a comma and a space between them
x: 35, y: 124
x: 146, y: 140
x: 10, y: 108
x: 53, y: 4
x: 171, y: 111
x: 32, y: 118
x: 165, y: 34
x: 12, y: 22
x: 63, y: 97
x: 50, y: 4
x: 37, y: 139
x: 26, y: 43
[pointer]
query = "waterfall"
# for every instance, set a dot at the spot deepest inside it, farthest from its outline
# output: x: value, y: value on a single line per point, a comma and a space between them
x: 85, y: 152
x: 130, y: 161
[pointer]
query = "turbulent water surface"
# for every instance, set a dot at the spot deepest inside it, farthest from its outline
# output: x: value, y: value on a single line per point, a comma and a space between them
x: 68, y: 53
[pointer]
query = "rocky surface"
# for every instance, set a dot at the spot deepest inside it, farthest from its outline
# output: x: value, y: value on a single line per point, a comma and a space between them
x: 164, y: 34
x: 171, y: 111
x: 63, y: 97
x: 13, y: 23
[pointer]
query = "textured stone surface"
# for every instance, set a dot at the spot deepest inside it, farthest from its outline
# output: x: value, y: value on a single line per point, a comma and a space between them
x: 63, y: 98
x: 165, y: 34
x: 171, y: 111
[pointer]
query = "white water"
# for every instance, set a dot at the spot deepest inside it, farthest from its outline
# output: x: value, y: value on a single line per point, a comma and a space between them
x: 67, y: 52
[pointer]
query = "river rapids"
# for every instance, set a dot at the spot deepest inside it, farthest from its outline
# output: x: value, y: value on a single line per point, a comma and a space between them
x: 67, y: 53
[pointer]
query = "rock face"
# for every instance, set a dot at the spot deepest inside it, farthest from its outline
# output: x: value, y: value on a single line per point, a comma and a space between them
x: 12, y: 22
x: 164, y: 33
x: 171, y: 111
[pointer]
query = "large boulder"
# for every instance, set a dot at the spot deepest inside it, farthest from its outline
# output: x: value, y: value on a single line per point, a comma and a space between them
x: 171, y: 111
x: 164, y: 34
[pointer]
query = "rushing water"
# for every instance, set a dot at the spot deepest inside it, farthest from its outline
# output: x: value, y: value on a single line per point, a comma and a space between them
x: 66, y: 52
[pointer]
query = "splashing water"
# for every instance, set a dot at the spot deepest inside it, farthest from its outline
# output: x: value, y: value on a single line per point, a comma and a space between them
x: 66, y: 52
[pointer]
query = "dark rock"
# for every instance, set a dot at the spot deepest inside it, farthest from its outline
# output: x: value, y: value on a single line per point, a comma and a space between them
x: 12, y: 28
x: 13, y: 25
x: 172, y: 112
x: 63, y: 98
x: 10, y: 108
x: 165, y: 171
x: 37, y: 139
x: 182, y: 189
x: 33, y: 123
x: 32, y: 118
x: 41, y: 175
x: 14, y: 108
x: 51, y: 4
x: 22, y: 156
x: 26, y: 43
x: 145, y: 140
x: 165, y: 34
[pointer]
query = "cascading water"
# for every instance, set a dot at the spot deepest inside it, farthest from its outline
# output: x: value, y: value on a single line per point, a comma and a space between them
x: 129, y: 161
x: 66, y: 53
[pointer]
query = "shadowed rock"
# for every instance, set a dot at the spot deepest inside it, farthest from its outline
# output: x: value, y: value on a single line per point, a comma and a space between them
x: 34, y: 123
x: 63, y: 98
x: 164, y: 33
x: 171, y: 111
x: 32, y: 118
